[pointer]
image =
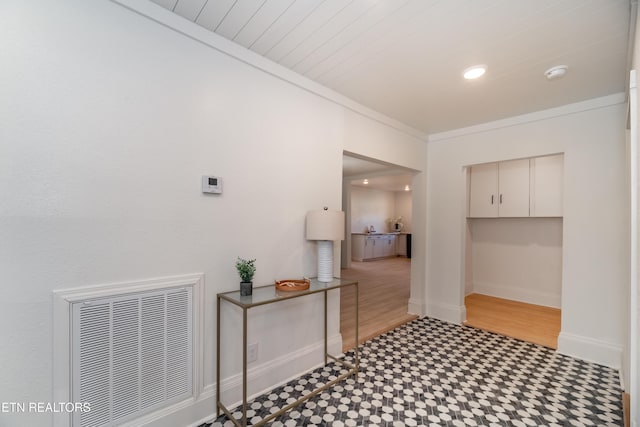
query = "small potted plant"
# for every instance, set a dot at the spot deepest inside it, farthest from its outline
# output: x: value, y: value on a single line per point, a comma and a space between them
x: 246, y: 270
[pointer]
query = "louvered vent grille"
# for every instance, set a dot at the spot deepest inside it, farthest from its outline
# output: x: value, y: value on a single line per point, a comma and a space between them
x: 132, y: 354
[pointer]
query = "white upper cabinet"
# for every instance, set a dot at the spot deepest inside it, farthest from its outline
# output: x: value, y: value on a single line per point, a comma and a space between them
x: 517, y: 188
x: 483, y: 191
x: 499, y: 189
x: 547, y: 185
x: 513, y: 187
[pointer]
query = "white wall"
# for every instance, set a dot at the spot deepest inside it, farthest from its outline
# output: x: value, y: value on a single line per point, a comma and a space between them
x: 108, y: 122
x: 375, y: 207
x: 595, y: 228
x: 404, y: 208
x: 517, y: 258
x: 371, y: 207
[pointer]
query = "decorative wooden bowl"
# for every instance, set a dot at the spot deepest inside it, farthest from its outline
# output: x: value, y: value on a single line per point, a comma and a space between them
x: 292, y: 285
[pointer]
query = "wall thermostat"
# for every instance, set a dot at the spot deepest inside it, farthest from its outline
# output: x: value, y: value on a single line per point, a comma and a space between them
x: 211, y: 184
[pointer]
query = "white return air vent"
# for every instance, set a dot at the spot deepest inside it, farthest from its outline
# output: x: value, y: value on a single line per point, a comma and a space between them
x: 132, y: 354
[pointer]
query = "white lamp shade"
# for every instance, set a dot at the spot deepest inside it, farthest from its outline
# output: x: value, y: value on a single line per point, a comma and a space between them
x: 325, y: 225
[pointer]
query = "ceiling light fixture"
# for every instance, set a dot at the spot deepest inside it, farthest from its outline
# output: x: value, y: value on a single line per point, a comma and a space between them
x: 556, y: 72
x: 406, y: 188
x: 365, y: 182
x: 474, y: 72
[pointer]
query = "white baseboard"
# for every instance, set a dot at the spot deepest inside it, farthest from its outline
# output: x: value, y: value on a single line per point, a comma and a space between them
x: 590, y: 349
x: 518, y: 294
x: 261, y: 378
x: 468, y: 289
x: 449, y: 313
x: 202, y: 408
x: 416, y: 307
x: 279, y: 371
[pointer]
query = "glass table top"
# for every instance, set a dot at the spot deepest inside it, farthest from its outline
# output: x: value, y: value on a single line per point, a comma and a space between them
x: 268, y: 294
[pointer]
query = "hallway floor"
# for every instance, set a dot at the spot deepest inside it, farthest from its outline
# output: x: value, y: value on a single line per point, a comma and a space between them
x: 433, y: 373
x: 384, y: 288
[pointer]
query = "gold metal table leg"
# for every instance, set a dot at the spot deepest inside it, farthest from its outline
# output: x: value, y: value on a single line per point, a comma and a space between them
x: 352, y: 369
x: 218, y: 358
x: 326, y: 352
x: 357, y: 328
x: 244, y: 366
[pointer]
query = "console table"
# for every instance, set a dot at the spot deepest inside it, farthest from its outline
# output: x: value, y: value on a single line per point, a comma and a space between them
x: 269, y: 295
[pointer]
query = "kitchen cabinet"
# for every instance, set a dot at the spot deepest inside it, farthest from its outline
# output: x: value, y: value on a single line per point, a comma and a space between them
x: 368, y: 247
x: 499, y: 189
x: 357, y: 247
x: 379, y: 246
x: 546, y: 176
x: 389, y: 244
x: 369, y: 244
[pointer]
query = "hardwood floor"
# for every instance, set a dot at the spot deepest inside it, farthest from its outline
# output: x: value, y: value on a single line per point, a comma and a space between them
x: 528, y: 322
x: 384, y: 288
x: 384, y: 295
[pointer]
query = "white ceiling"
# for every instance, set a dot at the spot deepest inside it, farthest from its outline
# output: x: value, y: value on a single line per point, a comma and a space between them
x: 385, y: 183
x: 379, y: 176
x: 404, y: 58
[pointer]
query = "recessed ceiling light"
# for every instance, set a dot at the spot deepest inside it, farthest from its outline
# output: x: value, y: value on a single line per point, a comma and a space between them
x: 365, y: 182
x: 556, y: 72
x: 474, y: 72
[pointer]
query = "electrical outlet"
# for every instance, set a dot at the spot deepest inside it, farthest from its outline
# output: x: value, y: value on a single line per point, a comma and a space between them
x: 252, y: 352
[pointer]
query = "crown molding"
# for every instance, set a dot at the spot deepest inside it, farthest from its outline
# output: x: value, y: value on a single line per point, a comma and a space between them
x: 564, y: 110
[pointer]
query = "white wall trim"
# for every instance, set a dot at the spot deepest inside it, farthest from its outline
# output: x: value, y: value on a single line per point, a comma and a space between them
x: 288, y: 366
x: 589, y: 349
x: 209, y: 38
x: 634, y: 358
x: 62, y: 300
x: 592, y: 104
x: 176, y: 414
x: 447, y: 312
x: 416, y: 307
x: 530, y: 296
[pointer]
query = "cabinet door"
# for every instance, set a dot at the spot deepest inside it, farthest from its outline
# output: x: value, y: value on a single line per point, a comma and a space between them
x: 391, y: 246
x: 379, y: 247
x: 547, y: 185
x: 357, y: 247
x: 513, y: 184
x: 483, y: 186
x: 369, y: 243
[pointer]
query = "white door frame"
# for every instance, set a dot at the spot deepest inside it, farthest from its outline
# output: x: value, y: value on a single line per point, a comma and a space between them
x: 633, y: 309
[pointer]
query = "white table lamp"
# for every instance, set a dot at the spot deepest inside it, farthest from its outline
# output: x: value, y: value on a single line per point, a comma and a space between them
x: 325, y: 226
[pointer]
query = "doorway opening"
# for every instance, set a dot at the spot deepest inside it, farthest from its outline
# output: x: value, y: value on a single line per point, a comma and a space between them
x: 378, y: 203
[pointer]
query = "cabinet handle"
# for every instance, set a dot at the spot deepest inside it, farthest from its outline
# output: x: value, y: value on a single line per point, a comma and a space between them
x: 501, y: 199
x: 492, y: 199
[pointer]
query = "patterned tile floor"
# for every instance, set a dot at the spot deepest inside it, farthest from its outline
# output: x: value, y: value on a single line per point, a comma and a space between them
x: 433, y: 373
